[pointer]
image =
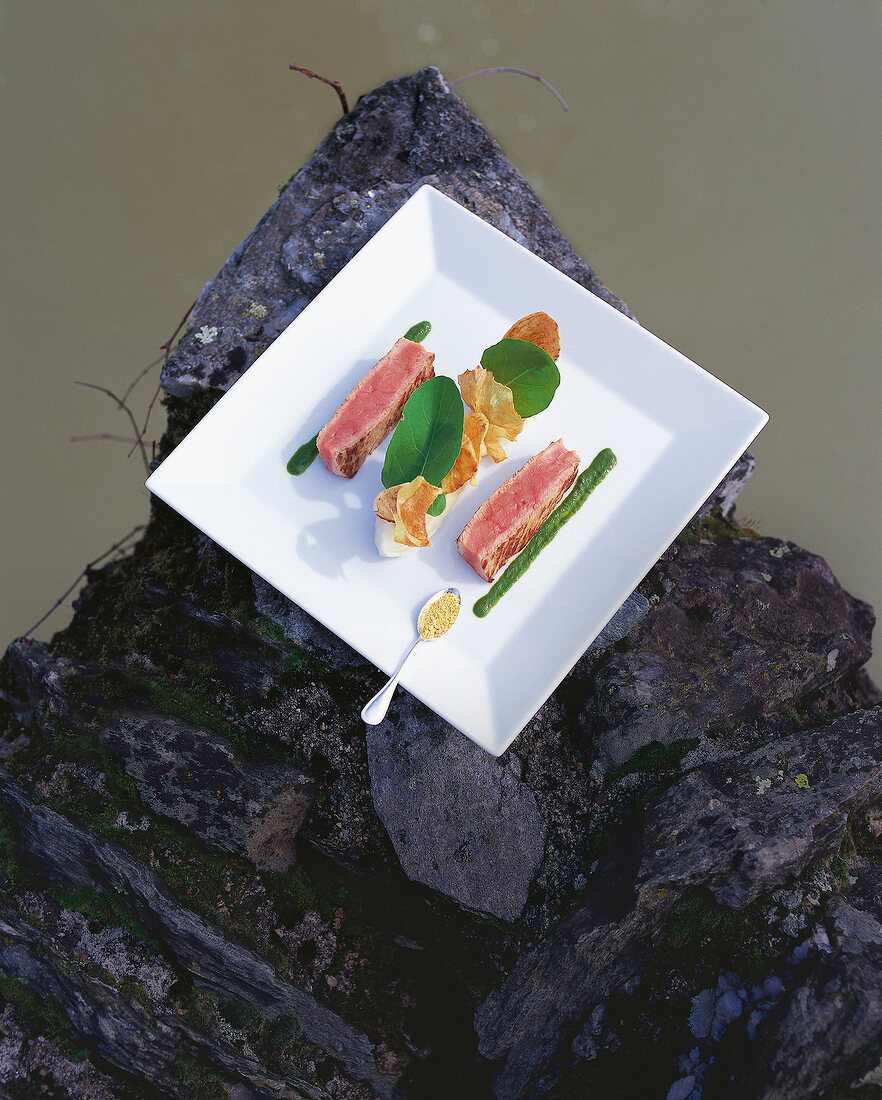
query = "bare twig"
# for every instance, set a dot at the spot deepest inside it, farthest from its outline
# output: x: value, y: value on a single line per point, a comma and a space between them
x: 141, y: 374
x: 139, y: 441
x: 125, y: 408
x: 166, y: 350
x: 102, y: 435
x: 116, y: 546
x: 335, y: 84
x: 166, y: 347
x: 523, y: 72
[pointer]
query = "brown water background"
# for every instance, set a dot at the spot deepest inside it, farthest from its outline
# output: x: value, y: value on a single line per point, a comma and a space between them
x: 720, y: 166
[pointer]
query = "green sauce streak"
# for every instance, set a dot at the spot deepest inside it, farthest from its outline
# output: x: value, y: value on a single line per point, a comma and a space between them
x: 418, y: 332
x: 585, y: 485
x: 303, y: 457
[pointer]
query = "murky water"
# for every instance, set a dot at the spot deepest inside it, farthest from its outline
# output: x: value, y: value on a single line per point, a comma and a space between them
x: 719, y: 166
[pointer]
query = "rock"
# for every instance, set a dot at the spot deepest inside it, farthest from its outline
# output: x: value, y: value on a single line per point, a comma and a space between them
x: 407, y: 133
x: 702, y: 1014
x: 28, y: 663
x: 745, y: 829
x: 193, y: 776
x: 696, y: 834
x: 826, y: 1024
x: 184, y: 772
x: 587, y: 1044
x: 117, y: 952
x: 143, y: 1046
x: 521, y: 1023
x: 742, y: 627
x: 728, y: 1008
x: 24, y: 1060
x: 632, y: 611
x: 39, y: 680
x: 682, y: 1089
x: 461, y: 822
x: 137, y: 1047
x: 727, y: 492
x: 302, y: 628
x: 74, y: 856
x: 249, y: 663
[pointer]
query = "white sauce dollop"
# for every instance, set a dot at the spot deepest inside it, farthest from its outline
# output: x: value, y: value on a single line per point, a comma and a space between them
x: 384, y: 530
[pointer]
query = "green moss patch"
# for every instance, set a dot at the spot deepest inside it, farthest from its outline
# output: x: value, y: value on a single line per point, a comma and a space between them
x: 103, y: 909
x: 654, y: 757
x: 702, y: 938
x: 42, y: 1015
x: 204, y: 1082
x: 714, y: 526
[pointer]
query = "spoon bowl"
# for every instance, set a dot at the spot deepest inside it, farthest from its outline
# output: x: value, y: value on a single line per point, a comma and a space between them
x: 432, y: 623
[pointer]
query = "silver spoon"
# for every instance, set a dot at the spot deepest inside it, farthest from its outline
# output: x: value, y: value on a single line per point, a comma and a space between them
x: 429, y: 628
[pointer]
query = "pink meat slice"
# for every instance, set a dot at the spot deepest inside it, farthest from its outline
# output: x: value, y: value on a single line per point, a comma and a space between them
x: 507, y: 520
x: 373, y: 407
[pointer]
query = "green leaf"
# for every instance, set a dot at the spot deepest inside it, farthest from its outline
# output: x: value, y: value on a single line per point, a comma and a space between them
x: 418, y: 332
x: 528, y: 371
x: 438, y: 504
x: 429, y: 435
x: 303, y: 457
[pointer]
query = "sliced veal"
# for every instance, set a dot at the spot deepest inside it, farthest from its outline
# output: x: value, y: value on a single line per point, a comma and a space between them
x: 507, y: 520
x: 373, y: 407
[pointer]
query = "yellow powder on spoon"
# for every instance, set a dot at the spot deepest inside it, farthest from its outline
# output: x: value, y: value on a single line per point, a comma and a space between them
x: 439, y: 616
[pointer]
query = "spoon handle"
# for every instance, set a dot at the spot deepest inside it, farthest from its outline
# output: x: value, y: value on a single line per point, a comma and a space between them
x: 374, y: 711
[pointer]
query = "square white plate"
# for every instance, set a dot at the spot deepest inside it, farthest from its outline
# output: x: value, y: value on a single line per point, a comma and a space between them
x: 675, y: 428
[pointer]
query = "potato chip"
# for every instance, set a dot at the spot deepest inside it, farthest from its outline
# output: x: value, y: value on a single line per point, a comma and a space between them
x: 465, y: 468
x: 406, y: 506
x: 539, y: 329
x: 485, y: 395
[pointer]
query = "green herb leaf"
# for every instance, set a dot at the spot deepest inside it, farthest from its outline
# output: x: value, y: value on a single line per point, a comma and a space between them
x: 438, y: 504
x: 418, y: 332
x: 528, y: 371
x: 303, y: 457
x: 428, y: 437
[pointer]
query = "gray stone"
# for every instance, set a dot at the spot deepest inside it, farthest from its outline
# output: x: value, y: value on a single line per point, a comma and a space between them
x: 682, y: 1089
x: 632, y: 612
x: 249, y: 663
x: 40, y: 684
x: 26, y: 1059
x: 184, y: 772
x: 461, y: 821
x: 742, y: 627
x: 585, y: 959
x: 728, y: 643
x: 738, y: 842
x: 119, y: 1031
x: 73, y: 856
x: 193, y: 776
x: 118, y: 953
x: 822, y: 1031
x: 702, y: 1013
x: 302, y: 628
x: 728, y: 1008
x: 726, y: 494
x: 745, y: 829
x: 28, y: 662
x: 411, y: 131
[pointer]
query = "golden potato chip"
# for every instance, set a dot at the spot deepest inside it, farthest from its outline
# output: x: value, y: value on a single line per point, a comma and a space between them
x: 539, y: 329
x: 485, y: 395
x: 406, y: 506
x: 474, y: 429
